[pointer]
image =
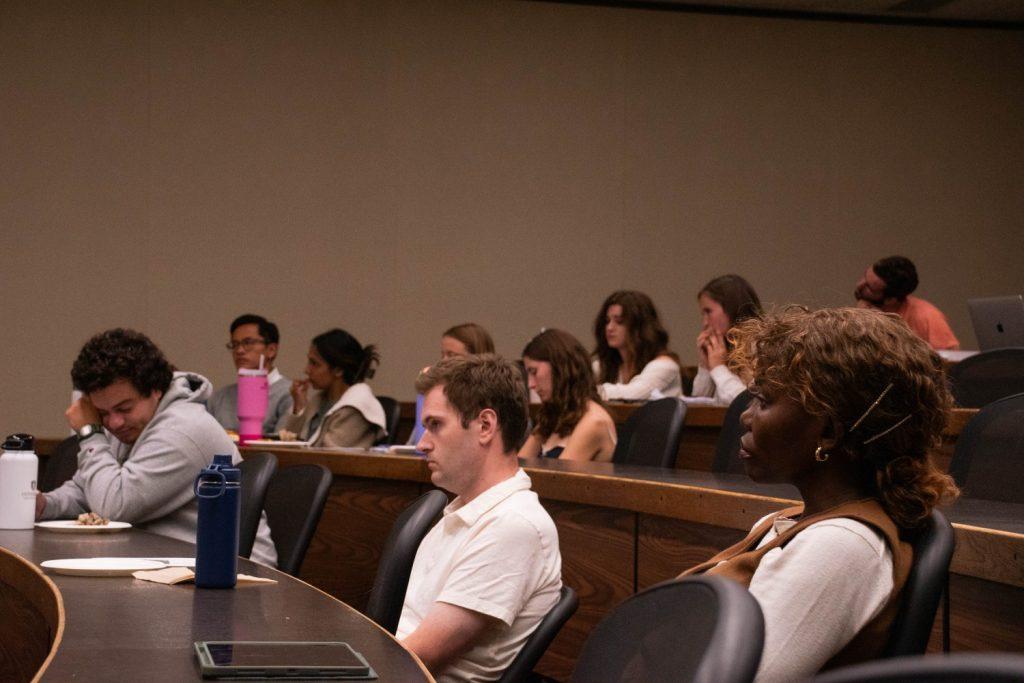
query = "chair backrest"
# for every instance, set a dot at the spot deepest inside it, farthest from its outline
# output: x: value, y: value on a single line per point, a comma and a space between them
x: 392, y: 415
x: 257, y: 471
x: 388, y: 593
x: 61, y: 465
x: 933, y: 549
x: 537, y: 644
x: 988, y: 376
x: 988, y: 461
x: 295, y: 502
x: 651, y: 434
x: 702, y: 629
x: 958, y: 668
x: 727, y: 450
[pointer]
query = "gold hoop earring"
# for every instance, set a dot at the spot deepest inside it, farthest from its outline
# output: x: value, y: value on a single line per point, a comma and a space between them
x: 819, y: 456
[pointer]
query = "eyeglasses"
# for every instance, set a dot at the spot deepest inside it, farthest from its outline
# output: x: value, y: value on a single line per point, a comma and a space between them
x: 248, y: 343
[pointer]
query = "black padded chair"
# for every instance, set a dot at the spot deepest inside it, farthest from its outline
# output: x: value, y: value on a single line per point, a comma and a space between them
x: 392, y: 414
x: 959, y: 668
x: 703, y: 629
x: 988, y: 461
x: 257, y: 471
x: 988, y: 376
x: 651, y: 434
x: 388, y: 593
x: 727, y: 449
x: 61, y: 465
x: 928, y: 579
x: 295, y: 502
x: 537, y: 644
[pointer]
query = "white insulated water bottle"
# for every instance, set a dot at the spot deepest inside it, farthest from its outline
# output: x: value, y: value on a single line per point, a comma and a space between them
x: 19, y: 471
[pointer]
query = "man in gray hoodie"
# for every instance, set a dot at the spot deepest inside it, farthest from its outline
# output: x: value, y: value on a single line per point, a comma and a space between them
x: 144, y: 434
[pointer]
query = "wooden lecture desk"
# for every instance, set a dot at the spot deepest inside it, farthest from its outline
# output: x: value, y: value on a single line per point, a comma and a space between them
x: 624, y: 528
x: 121, y: 628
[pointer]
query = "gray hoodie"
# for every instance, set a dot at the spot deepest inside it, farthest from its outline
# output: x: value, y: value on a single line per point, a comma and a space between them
x: 149, y: 483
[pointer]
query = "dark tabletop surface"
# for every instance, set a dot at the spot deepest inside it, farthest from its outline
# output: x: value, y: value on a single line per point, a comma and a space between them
x: 989, y: 514
x: 124, y: 629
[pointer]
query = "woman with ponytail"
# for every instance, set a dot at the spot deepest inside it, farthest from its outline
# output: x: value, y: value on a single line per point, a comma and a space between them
x: 333, y: 405
x: 847, y: 405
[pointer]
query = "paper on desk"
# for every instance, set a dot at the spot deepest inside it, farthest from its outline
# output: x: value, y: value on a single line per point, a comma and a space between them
x: 173, y: 575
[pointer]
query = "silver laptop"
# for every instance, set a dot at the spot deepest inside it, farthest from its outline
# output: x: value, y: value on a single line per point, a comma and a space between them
x: 998, y: 321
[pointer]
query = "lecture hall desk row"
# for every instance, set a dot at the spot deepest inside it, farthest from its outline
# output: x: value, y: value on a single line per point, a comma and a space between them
x: 123, y: 629
x: 624, y: 528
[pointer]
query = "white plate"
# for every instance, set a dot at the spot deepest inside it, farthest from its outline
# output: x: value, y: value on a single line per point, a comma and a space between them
x: 272, y: 443
x: 71, y: 526
x: 101, y: 566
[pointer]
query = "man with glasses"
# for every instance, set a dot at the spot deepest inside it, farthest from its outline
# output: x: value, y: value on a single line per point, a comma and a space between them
x: 253, y: 336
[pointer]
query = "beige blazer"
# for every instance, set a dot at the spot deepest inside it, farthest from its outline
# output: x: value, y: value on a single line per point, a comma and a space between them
x: 355, y: 421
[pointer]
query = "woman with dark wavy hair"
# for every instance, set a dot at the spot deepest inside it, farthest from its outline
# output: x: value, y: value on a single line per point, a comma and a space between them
x: 572, y: 423
x: 632, y: 361
x: 847, y: 405
x: 333, y: 405
x: 725, y: 301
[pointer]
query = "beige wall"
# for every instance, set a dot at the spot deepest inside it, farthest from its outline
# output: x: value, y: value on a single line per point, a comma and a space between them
x: 397, y: 167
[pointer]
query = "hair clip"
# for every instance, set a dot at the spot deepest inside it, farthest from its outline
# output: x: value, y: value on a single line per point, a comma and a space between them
x: 881, y: 434
x: 871, y: 407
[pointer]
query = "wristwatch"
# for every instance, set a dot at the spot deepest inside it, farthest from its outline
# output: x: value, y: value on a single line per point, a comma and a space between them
x: 86, y: 431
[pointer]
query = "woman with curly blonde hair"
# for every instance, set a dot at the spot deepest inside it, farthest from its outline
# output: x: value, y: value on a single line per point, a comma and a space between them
x: 847, y: 405
x: 572, y: 424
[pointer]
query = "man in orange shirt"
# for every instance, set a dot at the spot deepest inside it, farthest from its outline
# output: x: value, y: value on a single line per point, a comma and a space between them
x: 887, y: 286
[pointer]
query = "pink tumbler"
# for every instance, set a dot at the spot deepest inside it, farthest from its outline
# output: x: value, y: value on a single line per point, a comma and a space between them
x: 253, y: 396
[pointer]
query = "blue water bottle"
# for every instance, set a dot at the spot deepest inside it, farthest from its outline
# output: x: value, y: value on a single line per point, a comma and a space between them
x: 218, y: 488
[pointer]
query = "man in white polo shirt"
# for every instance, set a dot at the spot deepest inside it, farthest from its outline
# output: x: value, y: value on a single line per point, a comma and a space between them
x: 490, y: 570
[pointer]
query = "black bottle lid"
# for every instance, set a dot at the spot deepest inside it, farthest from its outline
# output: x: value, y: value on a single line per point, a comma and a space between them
x: 19, y: 442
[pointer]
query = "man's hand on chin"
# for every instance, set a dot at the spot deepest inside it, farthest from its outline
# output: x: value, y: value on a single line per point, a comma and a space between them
x: 82, y: 412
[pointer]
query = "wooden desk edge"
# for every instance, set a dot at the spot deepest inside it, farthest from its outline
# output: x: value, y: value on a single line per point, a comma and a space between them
x: 53, y: 613
x: 983, y: 553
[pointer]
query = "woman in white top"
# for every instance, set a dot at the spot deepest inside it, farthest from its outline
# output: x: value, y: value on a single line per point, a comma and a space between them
x: 848, y: 403
x: 632, y: 361
x: 725, y: 301
x: 572, y: 424
x: 333, y: 405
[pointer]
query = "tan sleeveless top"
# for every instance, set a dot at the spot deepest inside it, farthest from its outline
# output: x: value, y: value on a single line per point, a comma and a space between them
x: 739, y: 563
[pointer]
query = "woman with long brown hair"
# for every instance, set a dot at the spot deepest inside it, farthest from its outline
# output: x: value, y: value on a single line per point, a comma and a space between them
x: 572, y: 423
x: 725, y: 301
x: 847, y: 405
x: 632, y: 360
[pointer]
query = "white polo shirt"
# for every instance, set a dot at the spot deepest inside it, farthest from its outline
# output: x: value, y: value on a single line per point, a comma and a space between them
x: 497, y: 555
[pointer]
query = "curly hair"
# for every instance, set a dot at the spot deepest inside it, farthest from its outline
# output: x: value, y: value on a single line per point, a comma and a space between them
x: 837, y: 363
x: 474, y: 337
x: 648, y: 339
x: 121, y: 354
x: 343, y: 351
x: 480, y: 381
x: 572, y: 381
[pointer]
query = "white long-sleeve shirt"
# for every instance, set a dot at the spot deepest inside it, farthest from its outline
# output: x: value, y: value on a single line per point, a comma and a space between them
x: 719, y: 383
x: 658, y: 379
